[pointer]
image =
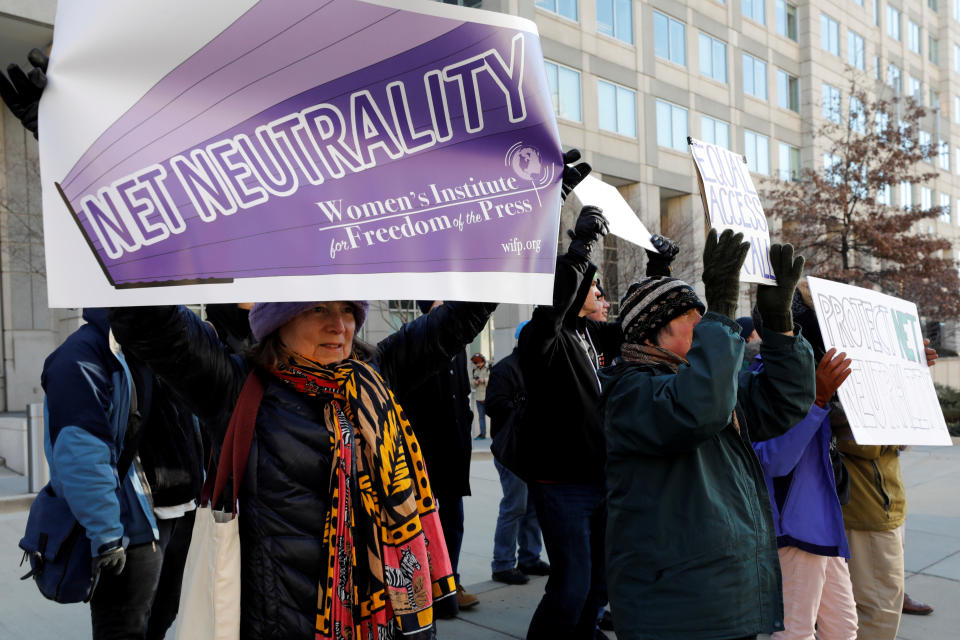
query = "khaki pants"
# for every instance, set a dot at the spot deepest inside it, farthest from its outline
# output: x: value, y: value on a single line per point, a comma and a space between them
x: 816, y: 591
x: 876, y: 570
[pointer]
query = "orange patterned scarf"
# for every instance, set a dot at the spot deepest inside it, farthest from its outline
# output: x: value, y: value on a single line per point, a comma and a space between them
x: 387, y: 560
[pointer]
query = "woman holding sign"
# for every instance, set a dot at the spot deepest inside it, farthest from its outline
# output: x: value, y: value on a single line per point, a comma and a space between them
x: 338, y: 525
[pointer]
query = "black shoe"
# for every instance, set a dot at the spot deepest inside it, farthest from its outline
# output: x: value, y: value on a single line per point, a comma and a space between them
x: 538, y: 568
x: 510, y: 576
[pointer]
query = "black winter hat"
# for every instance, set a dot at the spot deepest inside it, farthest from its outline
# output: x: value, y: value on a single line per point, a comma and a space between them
x: 650, y: 304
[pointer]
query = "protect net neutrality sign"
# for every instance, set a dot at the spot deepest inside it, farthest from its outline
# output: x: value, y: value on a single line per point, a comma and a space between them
x: 294, y: 149
x: 889, y: 397
x: 731, y: 202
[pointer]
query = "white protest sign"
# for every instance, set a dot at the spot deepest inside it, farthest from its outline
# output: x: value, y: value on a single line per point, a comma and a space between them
x: 889, y: 397
x: 731, y: 202
x: 624, y: 223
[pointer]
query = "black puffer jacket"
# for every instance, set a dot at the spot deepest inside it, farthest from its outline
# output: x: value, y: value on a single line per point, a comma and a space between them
x: 285, y: 490
x: 563, y: 437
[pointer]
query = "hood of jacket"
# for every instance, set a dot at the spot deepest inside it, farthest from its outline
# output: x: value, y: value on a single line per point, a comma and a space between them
x: 97, y: 317
x: 572, y: 319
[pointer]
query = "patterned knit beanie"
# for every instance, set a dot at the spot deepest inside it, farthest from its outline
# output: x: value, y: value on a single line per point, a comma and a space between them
x: 652, y: 303
x: 267, y: 317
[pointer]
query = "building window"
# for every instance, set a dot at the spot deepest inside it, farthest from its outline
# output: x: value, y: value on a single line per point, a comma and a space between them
x: 893, y: 78
x: 933, y: 50
x: 956, y: 9
x: 956, y: 109
x: 876, y: 67
x: 933, y: 4
x: 830, y: 97
x: 906, y: 195
x: 925, y: 140
x: 618, y: 108
x: 945, y: 207
x: 565, y: 8
x: 956, y: 57
x: 858, y: 118
x: 615, y: 19
x: 754, y: 76
x: 926, y: 198
x: 893, y: 23
x: 755, y: 10
x: 787, y: 19
x: 565, y: 90
x: 713, y: 58
x: 934, y: 99
x: 945, y: 155
x: 913, y: 36
x: 670, y: 39
x: 671, y: 126
x: 916, y: 89
x: 757, y: 151
x: 876, y: 13
x: 788, y: 91
x: 883, y: 195
x: 829, y: 34
x: 715, y: 131
x: 789, y: 168
x: 856, y: 53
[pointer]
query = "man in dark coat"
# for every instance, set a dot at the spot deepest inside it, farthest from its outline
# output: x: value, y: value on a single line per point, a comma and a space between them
x: 439, y: 410
x: 691, y: 547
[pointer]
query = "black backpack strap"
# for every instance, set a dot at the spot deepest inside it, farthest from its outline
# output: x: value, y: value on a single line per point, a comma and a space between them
x: 142, y: 381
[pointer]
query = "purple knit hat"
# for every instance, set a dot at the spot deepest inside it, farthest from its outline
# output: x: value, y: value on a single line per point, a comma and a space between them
x: 267, y: 317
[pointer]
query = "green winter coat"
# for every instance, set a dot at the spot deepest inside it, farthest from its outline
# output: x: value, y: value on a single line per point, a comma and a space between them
x: 691, y: 548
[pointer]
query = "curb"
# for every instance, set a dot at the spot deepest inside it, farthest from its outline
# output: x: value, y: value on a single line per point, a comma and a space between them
x: 14, y: 504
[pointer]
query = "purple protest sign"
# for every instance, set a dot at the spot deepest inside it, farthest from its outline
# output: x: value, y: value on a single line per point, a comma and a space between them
x: 313, y: 139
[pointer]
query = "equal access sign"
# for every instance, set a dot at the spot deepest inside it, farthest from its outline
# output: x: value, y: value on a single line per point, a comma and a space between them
x: 730, y: 201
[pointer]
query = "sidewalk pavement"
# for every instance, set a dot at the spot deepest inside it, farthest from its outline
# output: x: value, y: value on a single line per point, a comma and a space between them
x: 932, y: 476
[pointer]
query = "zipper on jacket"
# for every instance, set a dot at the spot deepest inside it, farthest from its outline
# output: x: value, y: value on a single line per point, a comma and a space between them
x: 878, y: 481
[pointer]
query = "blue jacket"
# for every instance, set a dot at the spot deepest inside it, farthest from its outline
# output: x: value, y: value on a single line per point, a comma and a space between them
x: 803, y: 493
x: 87, y: 404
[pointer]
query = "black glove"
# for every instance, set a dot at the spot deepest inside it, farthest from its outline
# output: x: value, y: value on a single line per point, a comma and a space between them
x: 722, y: 259
x: 22, y: 92
x: 659, y: 261
x: 590, y: 227
x: 774, y: 302
x: 572, y: 175
x: 110, y: 558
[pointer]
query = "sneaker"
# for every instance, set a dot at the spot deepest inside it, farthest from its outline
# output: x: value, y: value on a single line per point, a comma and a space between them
x: 511, y: 576
x: 538, y: 568
x: 465, y: 600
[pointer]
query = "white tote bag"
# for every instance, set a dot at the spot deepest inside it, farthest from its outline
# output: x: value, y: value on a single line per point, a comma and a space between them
x: 210, y: 592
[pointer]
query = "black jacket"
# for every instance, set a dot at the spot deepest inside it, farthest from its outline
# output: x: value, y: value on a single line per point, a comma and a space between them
x: 506, y: 393
x: 563, y: 437
x: 439, y: 410
x: 284, y: 496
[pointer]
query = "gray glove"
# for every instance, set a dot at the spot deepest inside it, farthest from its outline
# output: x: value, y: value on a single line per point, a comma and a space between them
x: 111, y: 558
x: 774, y: 303
x: 722, y: 259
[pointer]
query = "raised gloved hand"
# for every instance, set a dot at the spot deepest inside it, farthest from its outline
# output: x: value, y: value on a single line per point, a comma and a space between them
x: 572, y: 175
x: 590, y: 227
x: 831, y: 372
x: 110, y: 558
x: 22, y: 91
x: 722, y: 259
x: 659, y: 261
x: 774, y: 303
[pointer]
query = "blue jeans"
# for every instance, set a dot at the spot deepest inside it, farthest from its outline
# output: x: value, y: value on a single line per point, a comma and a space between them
x: 482, y: 415
x: 573, y: 521
x: 516, y: 524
